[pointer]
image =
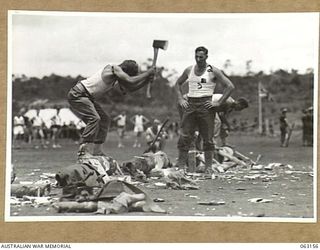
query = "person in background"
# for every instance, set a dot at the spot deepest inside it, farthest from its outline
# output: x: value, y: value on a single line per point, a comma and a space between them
x: 37, y: 130
x: 171, y: 131
x: 27, y: 129
x: 284, y: 126
x: 18, y: 128
x: 139, y: 121
x: 309, y: 127
x: 73, y: 132
x: 304, y: 127
x: 151, y: 133
x: 121, y: 127
x: 56, y: 123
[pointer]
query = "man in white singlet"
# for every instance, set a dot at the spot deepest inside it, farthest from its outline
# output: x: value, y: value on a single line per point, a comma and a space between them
x: 197, y: 109
x: 82, y: 99
x: 18, y: 128
x: 139, y: 121
x: 56, y: 124
x: 37, y: 129
x: 121, y: 127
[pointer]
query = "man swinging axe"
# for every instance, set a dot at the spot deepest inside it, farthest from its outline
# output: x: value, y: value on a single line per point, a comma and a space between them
x: 84, y: 95
x: 157, y: 44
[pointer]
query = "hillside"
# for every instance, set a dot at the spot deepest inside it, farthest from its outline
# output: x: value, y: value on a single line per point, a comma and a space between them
x: 292, y: 90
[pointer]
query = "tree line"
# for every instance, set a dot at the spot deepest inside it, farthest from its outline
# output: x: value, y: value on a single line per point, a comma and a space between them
x: 284, y: 87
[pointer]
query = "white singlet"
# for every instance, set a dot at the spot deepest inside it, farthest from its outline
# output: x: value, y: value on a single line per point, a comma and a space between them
x: 201, y: 86
x: 95, y: 84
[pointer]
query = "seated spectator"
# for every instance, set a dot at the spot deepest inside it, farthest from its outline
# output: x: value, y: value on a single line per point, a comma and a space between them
x: 151, y: 133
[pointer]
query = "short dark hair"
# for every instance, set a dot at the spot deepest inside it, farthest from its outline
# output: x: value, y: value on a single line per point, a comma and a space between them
x: 130, y: 67
x: 243, y: 102
x: 203, y: 49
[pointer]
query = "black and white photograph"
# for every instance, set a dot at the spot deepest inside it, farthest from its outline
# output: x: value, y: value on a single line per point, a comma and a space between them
x: 161, y: 116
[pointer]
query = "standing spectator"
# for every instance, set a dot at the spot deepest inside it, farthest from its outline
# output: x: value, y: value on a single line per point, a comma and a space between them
x: 65, y: 131
x: 271, y: 129
x: 309, y: 127
x: 284, y: 126
x: 73, y: 132
x: 243, y: 125
x: 235, y: 125
x: 56, y: 123
x: 304, y: 127
x: 151, y: 133
x: 170, y: 130
x: 37, y: 129
x: 176, y: 128
x: 198, y: 110
x: 28, y: 129
x: 18, y: 128
x: 139, y: 121
x: 121, y: 127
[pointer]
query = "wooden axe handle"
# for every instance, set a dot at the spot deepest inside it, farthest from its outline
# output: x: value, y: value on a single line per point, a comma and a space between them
x: 154, y: 62
x: 246, y: 158
x: 232, y: 158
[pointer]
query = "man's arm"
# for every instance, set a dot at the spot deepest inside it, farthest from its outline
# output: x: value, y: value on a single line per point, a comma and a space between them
x: 132, y: 119
x: 286, y: 122
x: 138, y: 85
x: 223, y: 118
x: 181, y: 80
x: 229, y: 87
x: 145, y: 120
x: 116, y: 118
x: 132, y: 83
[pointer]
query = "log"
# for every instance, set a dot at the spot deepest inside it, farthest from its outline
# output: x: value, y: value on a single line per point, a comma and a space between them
x: 20, y: 190
x: 192, y: 164
x: 76, y: 207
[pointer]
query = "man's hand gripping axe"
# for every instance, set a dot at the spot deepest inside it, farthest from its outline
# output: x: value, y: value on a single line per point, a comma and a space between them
x: 157, y: 44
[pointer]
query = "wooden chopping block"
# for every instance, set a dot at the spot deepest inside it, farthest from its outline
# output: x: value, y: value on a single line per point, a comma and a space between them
x: 20, y: 190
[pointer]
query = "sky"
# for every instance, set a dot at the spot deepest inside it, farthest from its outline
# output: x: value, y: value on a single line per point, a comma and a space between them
x: 79, y: 43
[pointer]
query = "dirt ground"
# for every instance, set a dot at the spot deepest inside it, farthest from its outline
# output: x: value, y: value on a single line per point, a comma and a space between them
x: 289, y: 189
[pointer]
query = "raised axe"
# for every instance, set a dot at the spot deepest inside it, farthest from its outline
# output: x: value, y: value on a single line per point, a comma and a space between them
x: 157, y: 44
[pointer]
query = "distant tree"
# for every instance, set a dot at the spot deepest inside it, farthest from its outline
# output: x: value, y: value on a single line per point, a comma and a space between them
x: 248, y: 67
x: 227, y: 64
x: 309, y: 71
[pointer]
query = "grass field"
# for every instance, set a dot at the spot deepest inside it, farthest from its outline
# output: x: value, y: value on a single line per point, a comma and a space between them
x: 291, y: 190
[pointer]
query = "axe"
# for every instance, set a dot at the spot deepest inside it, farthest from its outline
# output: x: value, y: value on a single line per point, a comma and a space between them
x: 157, y: 44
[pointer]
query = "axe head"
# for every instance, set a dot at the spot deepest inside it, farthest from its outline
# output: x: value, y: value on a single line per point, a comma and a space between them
x: 160, y: 44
